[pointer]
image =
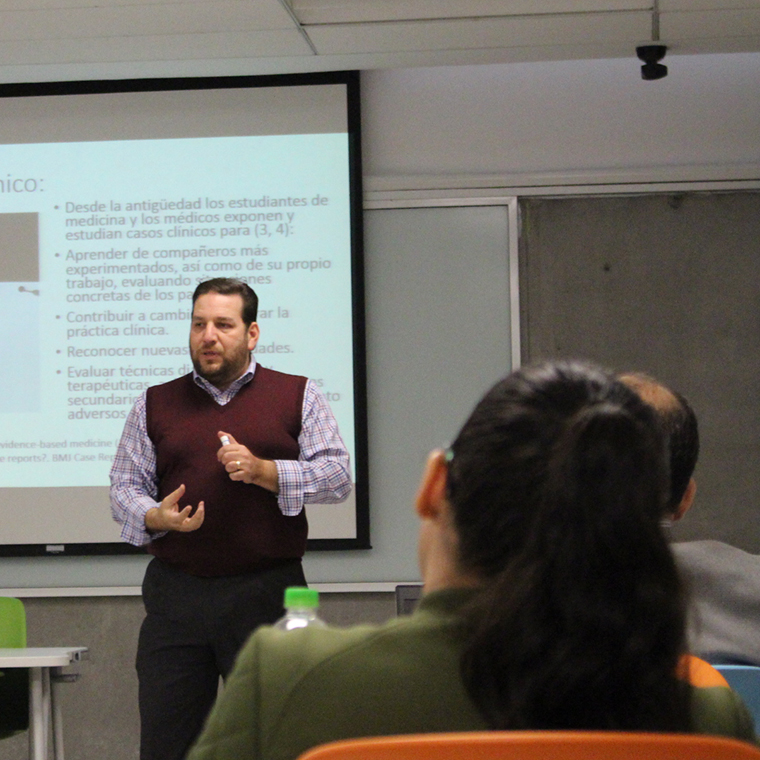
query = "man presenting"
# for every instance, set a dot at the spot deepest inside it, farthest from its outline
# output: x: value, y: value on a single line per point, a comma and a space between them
x: 211, y: 474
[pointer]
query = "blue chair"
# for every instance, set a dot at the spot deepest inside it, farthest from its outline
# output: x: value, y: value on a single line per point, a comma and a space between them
x: 745, y: 681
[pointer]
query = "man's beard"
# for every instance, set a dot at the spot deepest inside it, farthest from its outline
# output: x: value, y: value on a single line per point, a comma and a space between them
x: 232, y: 367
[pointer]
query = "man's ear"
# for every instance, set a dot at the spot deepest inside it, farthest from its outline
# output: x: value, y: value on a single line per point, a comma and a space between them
x: 686, y: 500
x: 432, y: 491
x: 253, y: 335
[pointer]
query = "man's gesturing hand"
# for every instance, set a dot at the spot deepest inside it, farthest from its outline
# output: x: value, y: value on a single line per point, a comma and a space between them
x: 168, y: 516
x: 242, y: 465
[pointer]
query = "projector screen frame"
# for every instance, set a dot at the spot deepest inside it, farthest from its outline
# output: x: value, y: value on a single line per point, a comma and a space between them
x: 351, y: 80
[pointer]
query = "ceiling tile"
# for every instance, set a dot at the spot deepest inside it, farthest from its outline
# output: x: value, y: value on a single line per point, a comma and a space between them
x: 261, y: 14
x: 706, y: 5
x: 157, y: 47
x: 341, y: 11
x: 710, y: 24
x: 479, y: 33
x: 137, y: 20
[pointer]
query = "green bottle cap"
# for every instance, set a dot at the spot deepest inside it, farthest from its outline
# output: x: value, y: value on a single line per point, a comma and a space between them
x: 300, y: 596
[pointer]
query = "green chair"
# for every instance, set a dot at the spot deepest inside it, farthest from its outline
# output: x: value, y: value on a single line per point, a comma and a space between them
x: 14, y: 682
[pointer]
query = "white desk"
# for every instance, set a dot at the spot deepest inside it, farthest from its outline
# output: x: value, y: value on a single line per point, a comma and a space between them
x: 42, y: 692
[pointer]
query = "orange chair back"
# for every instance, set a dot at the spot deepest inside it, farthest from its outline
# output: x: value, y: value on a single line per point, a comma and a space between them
x: 537, y: 745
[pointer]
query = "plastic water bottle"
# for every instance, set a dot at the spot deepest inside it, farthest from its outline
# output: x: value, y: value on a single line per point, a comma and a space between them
x: 300, y: 609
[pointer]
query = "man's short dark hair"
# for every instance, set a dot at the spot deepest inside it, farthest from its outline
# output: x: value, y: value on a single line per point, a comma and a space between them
x: 679, y: 423
x: 228, y: 286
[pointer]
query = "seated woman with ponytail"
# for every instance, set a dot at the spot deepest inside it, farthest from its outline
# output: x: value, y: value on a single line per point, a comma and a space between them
x: 551, y: 597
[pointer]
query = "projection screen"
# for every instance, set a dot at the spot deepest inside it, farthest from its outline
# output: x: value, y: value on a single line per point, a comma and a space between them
x: 116, y: 199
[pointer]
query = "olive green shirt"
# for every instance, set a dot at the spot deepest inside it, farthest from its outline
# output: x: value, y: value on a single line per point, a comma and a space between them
x: 290, y: 691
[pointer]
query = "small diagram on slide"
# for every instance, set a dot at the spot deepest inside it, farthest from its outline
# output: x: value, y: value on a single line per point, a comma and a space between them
x: 20, y: 312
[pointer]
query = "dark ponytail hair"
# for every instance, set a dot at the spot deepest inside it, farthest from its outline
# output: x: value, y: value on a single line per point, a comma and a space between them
x: 558, y: 482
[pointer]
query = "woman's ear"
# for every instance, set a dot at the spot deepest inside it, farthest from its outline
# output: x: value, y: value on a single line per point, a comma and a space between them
x: 431, y: 494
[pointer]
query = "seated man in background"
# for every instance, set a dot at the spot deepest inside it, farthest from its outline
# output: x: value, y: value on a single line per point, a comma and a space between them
x: 723, y: 581
x: 552, y: 600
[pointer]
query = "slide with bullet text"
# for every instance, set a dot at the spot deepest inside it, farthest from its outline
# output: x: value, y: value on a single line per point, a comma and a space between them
x: 104, y: 239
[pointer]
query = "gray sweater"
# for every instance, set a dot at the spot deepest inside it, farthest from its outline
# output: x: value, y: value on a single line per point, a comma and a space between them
x: 724, y: 585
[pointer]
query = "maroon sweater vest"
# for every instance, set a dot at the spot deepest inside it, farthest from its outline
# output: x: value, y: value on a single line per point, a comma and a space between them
x: 244, y: 529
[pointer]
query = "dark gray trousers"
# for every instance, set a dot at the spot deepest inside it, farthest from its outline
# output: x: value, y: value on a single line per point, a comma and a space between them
x: 192, y: 632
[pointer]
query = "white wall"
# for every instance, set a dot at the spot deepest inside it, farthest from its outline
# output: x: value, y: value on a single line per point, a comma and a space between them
x: 497, y: 124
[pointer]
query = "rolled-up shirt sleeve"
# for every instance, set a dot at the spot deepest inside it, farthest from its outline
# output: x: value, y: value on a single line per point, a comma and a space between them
x: 134, y: 486
x: 322, y: 472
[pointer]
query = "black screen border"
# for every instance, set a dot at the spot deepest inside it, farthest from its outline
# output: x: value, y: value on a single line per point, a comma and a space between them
x: 351, y: 79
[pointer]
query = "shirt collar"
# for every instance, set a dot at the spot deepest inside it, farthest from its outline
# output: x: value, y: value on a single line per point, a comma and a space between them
x: 245, y: 378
